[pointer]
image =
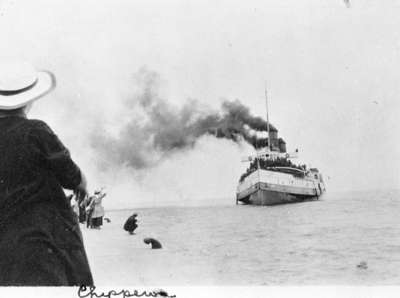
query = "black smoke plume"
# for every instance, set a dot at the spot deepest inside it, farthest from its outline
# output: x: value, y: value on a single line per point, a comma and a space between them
x: 165, y: 129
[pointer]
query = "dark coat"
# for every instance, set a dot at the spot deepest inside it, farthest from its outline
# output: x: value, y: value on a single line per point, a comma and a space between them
x: 40, y: 239
x: 130, y: 224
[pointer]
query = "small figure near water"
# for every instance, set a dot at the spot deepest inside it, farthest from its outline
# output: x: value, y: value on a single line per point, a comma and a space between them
x: 88, y: 210
x: 98, y: 209
x: 131, y: 224
x: 94, y: 209
x: 362, y: 265
x: 155, y: 244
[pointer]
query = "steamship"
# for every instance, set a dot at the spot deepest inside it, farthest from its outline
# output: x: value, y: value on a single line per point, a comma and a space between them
x: 273, y: 179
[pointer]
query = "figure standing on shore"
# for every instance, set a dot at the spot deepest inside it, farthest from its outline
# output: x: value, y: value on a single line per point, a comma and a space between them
x: 40, y: 239
x: 98, y: 209
x: 88, y: 205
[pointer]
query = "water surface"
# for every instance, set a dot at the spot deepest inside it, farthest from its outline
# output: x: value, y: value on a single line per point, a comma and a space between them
x: 311, y: 243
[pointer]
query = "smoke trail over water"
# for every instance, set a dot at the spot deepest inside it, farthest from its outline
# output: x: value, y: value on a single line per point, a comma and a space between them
x: 156, y: 129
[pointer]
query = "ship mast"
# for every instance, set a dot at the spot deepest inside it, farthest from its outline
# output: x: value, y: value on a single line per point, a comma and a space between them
x: 266, y: 101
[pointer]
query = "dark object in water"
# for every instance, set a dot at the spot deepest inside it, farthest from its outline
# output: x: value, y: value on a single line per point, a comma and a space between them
x: 107, y: 219
x: 154, y: 243
x: 131, y: 224
x: 362, y: 265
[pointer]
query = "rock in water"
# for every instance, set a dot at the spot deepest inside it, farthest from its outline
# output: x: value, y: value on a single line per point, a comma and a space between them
x: 155, y: 244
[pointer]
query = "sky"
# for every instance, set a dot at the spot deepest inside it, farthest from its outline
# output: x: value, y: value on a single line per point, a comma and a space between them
x: 332, y: 74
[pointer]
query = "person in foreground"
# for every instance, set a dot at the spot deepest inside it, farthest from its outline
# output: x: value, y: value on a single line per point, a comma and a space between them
x: 40, y: 239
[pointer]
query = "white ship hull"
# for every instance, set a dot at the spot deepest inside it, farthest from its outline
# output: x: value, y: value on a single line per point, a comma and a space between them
x: 266, y: 187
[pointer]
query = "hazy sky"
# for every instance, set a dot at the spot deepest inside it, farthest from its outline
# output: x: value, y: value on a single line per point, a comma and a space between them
x: 333, y: 79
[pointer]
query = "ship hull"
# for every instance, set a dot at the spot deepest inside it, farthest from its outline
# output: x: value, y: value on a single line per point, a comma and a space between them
x: 271, y: 188
x: 267, y: 197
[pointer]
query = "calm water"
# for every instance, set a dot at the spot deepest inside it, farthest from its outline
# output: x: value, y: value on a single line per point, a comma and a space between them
x: 319, y: 242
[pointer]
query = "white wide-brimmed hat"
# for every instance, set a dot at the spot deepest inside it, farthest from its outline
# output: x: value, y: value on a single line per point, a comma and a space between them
x: 21, y: 84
